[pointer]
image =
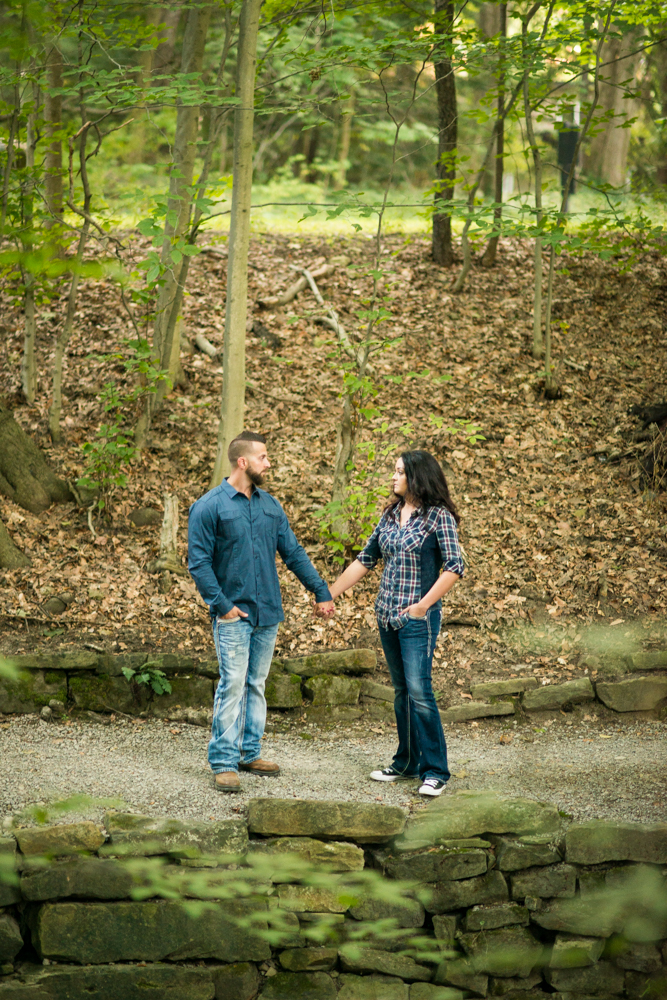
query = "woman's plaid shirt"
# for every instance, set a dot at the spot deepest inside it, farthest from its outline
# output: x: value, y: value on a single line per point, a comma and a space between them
x: 403, y: 551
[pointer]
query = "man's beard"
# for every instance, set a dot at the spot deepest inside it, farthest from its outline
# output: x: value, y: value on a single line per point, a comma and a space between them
x: 255, y: 477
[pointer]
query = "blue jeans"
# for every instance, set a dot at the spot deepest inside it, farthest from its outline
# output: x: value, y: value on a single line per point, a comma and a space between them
x: 409, y: 650
x: 239, y: 709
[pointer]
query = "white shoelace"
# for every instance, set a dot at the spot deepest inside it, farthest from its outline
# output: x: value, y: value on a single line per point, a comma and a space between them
x: 433, y: 782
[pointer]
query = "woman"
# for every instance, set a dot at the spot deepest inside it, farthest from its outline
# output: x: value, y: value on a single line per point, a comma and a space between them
x: 416, y: 538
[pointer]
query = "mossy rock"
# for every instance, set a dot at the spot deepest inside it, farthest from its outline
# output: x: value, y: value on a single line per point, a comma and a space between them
x: 31, y: 691
x: 107, y: 694
x: 283, y: 691
x: 188, y: 691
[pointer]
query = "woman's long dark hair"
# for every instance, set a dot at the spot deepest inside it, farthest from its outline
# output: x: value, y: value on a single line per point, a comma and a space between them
x: 427, y: 485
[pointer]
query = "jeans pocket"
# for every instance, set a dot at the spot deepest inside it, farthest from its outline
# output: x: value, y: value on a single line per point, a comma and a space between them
x: 417, y: 618
x: 228, y: 621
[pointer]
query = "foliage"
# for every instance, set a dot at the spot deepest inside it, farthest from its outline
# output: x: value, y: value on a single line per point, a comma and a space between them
x: 112, y: 450
x: 148, y: 675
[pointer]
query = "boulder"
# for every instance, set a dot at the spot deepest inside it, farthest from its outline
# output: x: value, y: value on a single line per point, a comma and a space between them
x: 438, y: 864
x: 98, y: 933
x: 116, y: 982
x: 495, y: 689
x: 589, y: 916
x: 112, y: 666
x: 238, y: 981
x: 475, y: 710
x: 308, y: 959
x: 11, y: 941
x: 601, y: 979
x: 298, y: 986
x: 513, y: 854
x: 332, y: 689
x: 601, y: 840
x: 506, y: 951
x: 328, y: 855
x: 32, y: 691
x: 283, y: 691
x: 553, y: 696
x: 134, y: 835
x: 344, y: 661
x: 468, y: 813
x: 144, y: 516
x: 517, y: 989
x: 656, y: 659
x: 188, y: 691
x: 448, y: 896
x: 636, y: 694
x: 377, y: 692
x: 362, y: 959
x: 461, y: 972
x: 554, y: 880
x: 87, y: 878
x: 487, y: 918
x: 427, y: 991
x: 59, y: 841
x: 406, y: 912
x: 78, y: 659
x: 639, y: 956
x: 646, y: 986
x: 445, y: 926
x: 211, y: 668
x: 378, y: 711
x: 104, y: 693
x: 573, y: 952
x: 372, y: 988
x: 313, y: 899
x: 9, y: 880
x: 171, y: 663
x: 367, y: 823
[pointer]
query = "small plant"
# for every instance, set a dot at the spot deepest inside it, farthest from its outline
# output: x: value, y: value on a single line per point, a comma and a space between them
x: 150, y: 676
x: 113, y: 448
x: 469, y: 430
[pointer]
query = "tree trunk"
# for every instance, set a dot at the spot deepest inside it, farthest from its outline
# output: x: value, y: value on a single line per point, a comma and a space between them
x: 24, y: 475
x: 658, y: 67
x: 168, y: 560
x: 489, y: 258
x: 345, y: 447
x: 344, y: 148
x: 607, y: 158
x: 28, y: 367
x: 445, y: 87
x: 233, y: 356
x: 179, y: 203
x: 63, y: 337
x: 537, y: 163
x: 53, y: 162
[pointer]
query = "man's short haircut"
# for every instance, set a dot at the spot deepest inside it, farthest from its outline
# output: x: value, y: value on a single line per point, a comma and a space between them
x: 239, y: 446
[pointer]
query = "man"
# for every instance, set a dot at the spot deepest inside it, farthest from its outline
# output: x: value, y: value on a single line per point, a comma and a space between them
x: 234, y: 532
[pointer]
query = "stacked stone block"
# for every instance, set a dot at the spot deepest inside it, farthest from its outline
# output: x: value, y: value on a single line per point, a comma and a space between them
x: 477, y: 895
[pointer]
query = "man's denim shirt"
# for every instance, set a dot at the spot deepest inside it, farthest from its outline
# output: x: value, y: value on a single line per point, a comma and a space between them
x: 232, y: 545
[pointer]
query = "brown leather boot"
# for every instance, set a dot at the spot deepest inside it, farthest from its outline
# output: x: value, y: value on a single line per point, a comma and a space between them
x: 227, y: 781
x: 261, y: 767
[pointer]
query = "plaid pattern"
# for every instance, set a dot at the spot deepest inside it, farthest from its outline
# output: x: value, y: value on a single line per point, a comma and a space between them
x: 401, y: 550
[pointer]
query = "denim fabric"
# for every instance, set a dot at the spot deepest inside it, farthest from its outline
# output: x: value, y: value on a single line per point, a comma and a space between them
x: 409, y: 652
x: 239, y: 710
x: 232, y: 545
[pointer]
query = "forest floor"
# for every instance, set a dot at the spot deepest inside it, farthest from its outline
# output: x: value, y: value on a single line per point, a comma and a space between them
x: 567, y: 543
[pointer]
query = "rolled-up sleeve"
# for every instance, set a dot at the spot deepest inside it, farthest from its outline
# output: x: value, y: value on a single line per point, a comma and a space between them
x: 448, y: 540
x: 201, y: 547
x: 296, y: 559
x: 370, y: 555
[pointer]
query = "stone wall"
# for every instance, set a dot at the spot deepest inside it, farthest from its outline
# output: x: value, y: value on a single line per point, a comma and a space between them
x: 328, y: 687
x: 473, y: 896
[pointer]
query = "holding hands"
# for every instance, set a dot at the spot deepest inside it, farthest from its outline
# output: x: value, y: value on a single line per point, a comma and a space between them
x: 325, y: 609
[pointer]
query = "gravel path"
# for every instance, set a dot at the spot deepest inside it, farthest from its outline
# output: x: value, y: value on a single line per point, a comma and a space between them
x: 617, y: 771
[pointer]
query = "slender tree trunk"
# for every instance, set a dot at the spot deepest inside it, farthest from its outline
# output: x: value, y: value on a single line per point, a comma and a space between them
x: 344, y: 148
x: 9, y: 162
x: 53, y: 162
x: 489, y: 258
x: 233, y: 354
x: 658, y: 65
x: 550, y: 387
x: 179, y: 208
x: 445, y: 87
x: 137, y: 150
x: 28, y: 367
x: 607, y: 158
x: 537, y: 164
x: 65, y: 334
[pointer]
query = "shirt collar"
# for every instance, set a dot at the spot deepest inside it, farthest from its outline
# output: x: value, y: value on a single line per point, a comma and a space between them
x: 231, y: 491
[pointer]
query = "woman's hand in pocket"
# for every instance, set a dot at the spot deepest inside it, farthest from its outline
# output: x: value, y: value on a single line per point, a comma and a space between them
x: 416, y: 611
